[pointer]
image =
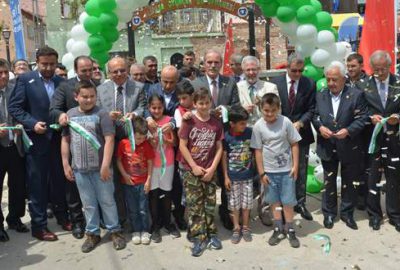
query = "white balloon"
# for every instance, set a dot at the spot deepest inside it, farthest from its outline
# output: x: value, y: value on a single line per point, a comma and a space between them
x: 325, y: 39
x: 313, y: 159
x: 290, y: 28
x: 320, y: 58
x: 305, y: 49
x: 78, y: 32
x: 69, y: 44
x: 349, y: 49
x: 340, y: 50
x: 83, y: 17
x: 319, y: 173
x: 68, y: 60
x: 71, y: 74
x: 80, y: 48
x: 306, y: 33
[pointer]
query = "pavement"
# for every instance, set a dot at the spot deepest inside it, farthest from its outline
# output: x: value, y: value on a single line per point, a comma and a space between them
x: 361, y: 249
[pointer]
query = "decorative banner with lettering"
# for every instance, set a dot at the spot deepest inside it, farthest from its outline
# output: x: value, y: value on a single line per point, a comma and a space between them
x: 18, y: 30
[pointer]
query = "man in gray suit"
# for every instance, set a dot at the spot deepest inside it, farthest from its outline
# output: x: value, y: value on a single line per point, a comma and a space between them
x: 11, y: 161
x: 120, y: 97
x: 223, y: 91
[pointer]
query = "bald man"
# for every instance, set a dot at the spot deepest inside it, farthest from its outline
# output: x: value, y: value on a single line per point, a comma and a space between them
x: 137, y: 73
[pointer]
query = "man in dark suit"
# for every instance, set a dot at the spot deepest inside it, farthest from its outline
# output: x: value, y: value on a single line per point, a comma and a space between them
x: 29, y: 105
x: 340, y: 116
x: 120, y: 97
x: 223, y: 91
x: 297, y: 94
x: 382, y: 92
x: 62, y: 101
x: 11, y: 161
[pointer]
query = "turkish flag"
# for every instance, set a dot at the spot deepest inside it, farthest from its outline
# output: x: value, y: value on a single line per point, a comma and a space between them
x: 229, y: 49
x: 378, y: 31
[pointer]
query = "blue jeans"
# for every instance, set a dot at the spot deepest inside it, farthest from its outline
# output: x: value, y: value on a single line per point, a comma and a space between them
x: 282, y: 188
x: 138, y: 207
x: 94, y: 192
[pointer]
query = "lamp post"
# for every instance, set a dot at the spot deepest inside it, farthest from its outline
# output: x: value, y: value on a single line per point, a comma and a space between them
x: 6, y: 33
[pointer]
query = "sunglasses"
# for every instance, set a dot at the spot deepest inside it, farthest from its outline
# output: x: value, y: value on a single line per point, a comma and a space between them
x: 296, y: 70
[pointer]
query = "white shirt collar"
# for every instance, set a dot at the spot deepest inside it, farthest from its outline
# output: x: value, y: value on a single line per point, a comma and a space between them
x: 288, y: 80
x: 386, y: 81
x: 210, y: 80
x: 123, y: 85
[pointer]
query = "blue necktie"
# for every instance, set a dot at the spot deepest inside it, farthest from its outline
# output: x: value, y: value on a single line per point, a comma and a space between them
x: 382, y: 93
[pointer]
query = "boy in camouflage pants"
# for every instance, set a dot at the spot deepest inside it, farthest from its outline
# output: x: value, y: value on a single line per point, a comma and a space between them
x: 201, y: 148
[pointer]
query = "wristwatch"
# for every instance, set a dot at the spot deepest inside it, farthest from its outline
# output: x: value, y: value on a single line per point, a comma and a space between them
x: 262, y: 175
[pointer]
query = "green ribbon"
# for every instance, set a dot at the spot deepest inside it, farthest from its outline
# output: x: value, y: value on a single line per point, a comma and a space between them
x: 162, y: 152
x: 82, y: 132
x: 375, y: 133
x: 327, y: 246
x: 25, y: 138
x: 224, y: 112
x: 131, y: 134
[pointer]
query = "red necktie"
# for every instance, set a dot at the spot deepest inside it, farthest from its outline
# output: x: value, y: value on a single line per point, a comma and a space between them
x: 292, y: 95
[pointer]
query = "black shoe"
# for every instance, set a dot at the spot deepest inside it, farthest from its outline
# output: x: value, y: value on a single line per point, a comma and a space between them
x: 172, y: 230
x: 328, y: 222
x: 396, y: 225
x: 225, y: 218
x: 375, y: 223
x: 18, y: 226
x: 3, y: 235
x: 181, y: 223
x: 302, y: 210
x: 156, y: 236
x: 78, y: 231
x: 294, y: 242
x: 276, y: 237
x: 350, y: 222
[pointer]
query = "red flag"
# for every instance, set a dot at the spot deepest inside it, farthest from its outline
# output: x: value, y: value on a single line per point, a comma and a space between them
x: 378, y: 30
x: 229, y: 49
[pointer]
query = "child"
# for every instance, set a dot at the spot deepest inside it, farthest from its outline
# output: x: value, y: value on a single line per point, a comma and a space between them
x: 239, y: 171
x: 161, y: 184
x: 201, y: 147
x: 91, y: 168
x: 275, y: 141
x: 184, y: 92
x: 136, y: 169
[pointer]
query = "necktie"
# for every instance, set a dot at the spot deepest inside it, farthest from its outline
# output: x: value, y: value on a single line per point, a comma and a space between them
x: 382, y: 93
x: 252, y: 89
x: 292, y: 95
x: 119, y: 103
x: 214, y: 92
x: 237, y: 79
x: 3, y: 108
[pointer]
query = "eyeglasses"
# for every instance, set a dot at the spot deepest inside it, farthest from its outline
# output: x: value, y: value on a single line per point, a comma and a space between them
x: 86, y: 70
x: 296, y: 70
x: 118, y: 71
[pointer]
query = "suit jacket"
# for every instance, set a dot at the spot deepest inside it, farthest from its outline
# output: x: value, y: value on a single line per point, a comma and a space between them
x: 29, y: 104
x: 63, y: 98
x: 135, y: 97
x: 227, y: 89
x: 304, y: 105
x: 157, y: 89
x: 352, y: 115
x: 262, y: 88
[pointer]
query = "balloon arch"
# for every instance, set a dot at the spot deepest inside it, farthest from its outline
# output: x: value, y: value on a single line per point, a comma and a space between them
x: 307, y: 27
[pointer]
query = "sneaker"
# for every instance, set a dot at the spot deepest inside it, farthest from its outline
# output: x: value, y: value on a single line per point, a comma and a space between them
x: 276, y: 237
x: 172, y: 230
x: 136, y: 238
x: 246, y: 233
x: 145, y: 238
x: 235, y: 238
x: 156, y: 236
x: 199, y: 247
x: 90, y: 242
x: 294, y: 242
x: 214, y: 242
x: 118, y: 240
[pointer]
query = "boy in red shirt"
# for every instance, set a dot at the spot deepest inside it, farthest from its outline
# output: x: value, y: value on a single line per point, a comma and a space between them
x: 135, y: 169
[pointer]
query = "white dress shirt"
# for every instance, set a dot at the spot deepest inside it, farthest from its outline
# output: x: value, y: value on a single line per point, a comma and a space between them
x: 289, y: 84
x: 335, y: 102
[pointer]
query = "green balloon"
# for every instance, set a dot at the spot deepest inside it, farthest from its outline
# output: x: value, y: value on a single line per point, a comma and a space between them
x: 108, y: 46
x: 321, y: 84
x: 323, y: 20
x: 92, y: 25
x: 284, y: 2
x: 306, y: 14
x: 92, y: 8
x: 313, y: 72
x: 300, y: 3
x: 316, y: 4
x: 107, y: 5
x: 286, y: 13
x: 110, y: 34
x: 101, y: 57
x: 313, y: 185
x: 269, y: 9
x: 96, y: 43
x: 335, y: 33
x: 307, y: 61
x: 108, y: 19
